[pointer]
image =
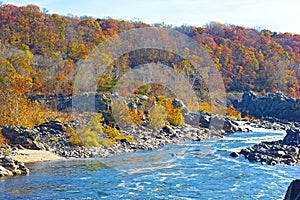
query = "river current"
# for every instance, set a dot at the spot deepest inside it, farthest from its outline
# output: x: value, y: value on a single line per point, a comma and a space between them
x: 194, y: 170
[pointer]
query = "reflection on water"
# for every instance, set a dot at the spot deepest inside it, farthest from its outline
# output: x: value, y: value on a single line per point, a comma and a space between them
x: 201, y: 170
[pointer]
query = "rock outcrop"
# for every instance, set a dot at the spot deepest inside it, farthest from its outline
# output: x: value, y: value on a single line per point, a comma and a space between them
x: 212, y: 121
x: 27, y: 138
x: 293, y: 191
x: 286, y: 151
x: 11, y: 167
x: 271, y: 105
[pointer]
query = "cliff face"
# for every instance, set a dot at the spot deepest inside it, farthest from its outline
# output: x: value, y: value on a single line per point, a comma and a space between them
x: 273, y: 105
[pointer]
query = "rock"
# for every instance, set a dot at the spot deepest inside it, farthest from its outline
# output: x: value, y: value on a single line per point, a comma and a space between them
x: 132, y: 105
x: 271, y: 106
x: 168, y: 129
x: 25, y: 137
x: 204, y: 120
x: 177, y: 103
x: 10, y: 167
x: 234, y: 154
x: 55, y: 125
x: 293, y: 191
x: 276, y: 152
x: 193, y: 118
x: 292, y: 137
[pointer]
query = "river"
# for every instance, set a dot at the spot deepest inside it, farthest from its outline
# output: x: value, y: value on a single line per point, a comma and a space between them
x: 194, y: 170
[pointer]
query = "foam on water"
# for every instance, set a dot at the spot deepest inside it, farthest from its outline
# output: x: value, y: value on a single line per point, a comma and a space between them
x: 204, y: 170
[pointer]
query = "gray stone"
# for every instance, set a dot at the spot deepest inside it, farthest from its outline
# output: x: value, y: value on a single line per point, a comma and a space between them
x: 292, y: 137
x: 10, y: 167
x: 293, y: 191
x: 271, y: 105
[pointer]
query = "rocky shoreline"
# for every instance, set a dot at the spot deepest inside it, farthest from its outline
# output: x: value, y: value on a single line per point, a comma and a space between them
x: 52, y: 137
x: 286, y: 151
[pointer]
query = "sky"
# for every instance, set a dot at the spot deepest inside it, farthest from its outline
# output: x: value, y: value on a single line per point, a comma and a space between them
x: 275, y: 15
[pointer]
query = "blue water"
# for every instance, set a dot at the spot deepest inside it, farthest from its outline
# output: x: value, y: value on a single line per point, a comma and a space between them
x: 196, y: 170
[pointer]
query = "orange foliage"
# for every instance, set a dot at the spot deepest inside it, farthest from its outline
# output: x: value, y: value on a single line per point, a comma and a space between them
x: 15, y: 107
x: 231, y: 112
x: 3, y: 140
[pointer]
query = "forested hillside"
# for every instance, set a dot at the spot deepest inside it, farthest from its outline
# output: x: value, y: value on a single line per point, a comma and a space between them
x: 42, y: 50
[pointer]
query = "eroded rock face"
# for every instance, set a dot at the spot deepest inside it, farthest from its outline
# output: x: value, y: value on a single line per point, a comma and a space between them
x: 271, y: 105
x: 11, y: 167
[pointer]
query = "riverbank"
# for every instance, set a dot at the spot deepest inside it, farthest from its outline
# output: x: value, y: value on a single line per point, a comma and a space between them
x: 285, y: 151
x: 29, y: 156
x: 51, y: 142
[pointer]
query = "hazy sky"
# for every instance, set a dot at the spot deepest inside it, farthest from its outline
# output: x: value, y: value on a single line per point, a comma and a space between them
x: 275, y: 15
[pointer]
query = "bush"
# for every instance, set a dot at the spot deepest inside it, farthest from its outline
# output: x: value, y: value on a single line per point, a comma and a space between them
x: 121, y: 114
x: 174, y: 115
x: 74, y: 137
x: 231, y: 112
x: 157, y: 117
x: 136, y: 116
x: 3, y: 140
x: 89, y: 136
x: 111, y: 131
x: 205, y: 106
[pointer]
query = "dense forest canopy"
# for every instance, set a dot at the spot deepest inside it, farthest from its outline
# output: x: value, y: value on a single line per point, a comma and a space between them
x: 45, y: 48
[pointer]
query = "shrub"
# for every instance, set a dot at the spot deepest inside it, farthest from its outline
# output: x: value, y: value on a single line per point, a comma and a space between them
x: 231, y: 112
x: 74, y: 137
x: 111, y: 131
x: 157, y: 117
x: 205, y: 106
x: 107, y: 142
x: 90, y: 137
x: 174, y: 115
x: 3, y: 140
x: 136, y: 116
x: 121, y: 114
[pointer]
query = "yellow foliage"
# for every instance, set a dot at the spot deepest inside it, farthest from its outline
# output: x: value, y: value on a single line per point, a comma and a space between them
x: 121, y: 114
x: 3, y: 140
x: 174, y: 115
x: 157, y: 117
x: 74, y: 137
x: 89, y: 136
x: 111, y: 131
x: 205, y: 106
x: 136, y: 116
x: 231, y: 112
x: 107, y: 142
x: 15, y: 107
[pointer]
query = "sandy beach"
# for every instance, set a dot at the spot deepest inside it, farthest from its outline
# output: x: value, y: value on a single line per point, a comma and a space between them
x: 27, y: 156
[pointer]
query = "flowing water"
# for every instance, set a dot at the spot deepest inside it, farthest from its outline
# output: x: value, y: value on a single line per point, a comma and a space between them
x: 195, y: 170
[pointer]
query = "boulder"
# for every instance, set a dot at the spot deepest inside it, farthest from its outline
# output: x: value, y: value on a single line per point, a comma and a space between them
x: 293, y: 191
x: 28, y: 138
x: 193, y: 118
x: 204, y: 120
x: 177, y: 103
x: 234, y: 154
x: 292, y: 137
x: 55, y: 125
x: 10, y: 167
